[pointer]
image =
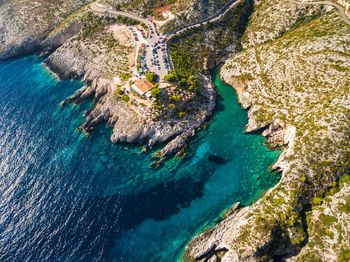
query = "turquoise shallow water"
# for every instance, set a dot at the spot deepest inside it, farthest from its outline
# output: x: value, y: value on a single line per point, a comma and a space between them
x: 66, y: 197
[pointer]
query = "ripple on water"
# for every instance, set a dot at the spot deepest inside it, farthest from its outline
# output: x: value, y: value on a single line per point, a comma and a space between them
x: 71, y: 198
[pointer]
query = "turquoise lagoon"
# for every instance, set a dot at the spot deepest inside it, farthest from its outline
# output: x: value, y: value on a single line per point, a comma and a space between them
x: 66, y: 197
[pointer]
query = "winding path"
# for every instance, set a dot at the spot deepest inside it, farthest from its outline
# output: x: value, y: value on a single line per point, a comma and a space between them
x: 100, y: 9
x: 339, y: 7
x: 103, y: 10
x: 214, y: 18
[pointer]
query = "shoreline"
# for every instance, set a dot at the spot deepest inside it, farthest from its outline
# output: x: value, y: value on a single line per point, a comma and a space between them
x: 197, y: 249
x: 175, y: 135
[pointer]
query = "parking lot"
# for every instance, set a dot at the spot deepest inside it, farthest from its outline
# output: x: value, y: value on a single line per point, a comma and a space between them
x: 154, y: 56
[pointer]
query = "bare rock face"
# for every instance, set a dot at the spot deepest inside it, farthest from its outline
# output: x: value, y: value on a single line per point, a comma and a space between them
x: 24, y: 25
x: 176, y: 144
x: 71, y: 62
x: 275, y: 134
x: 90, y: 60
x: 291, y: 78
x: 208, y: 243
x: 286, y: 16
x: 52, y: 43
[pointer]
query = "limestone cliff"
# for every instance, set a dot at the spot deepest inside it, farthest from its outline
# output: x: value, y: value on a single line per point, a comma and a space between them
x: 97, y: 58
x: 295, y: 86
x: 24, y: 24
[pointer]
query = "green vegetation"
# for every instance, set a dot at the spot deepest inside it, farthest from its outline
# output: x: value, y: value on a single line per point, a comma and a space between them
x: 73, y: 17
x: 151, y: 77
x: 317, y: 201
x: 126, y: 98
x: 344, y: 255
x: 92, y: 24
x: 319, y: 164
x: 181, y: 114
x: 193, y: 48
x: 126, y: 76
x: 172, y: 77
x: 119, y: 92
x: 155, y: 92
x: 125, y: 20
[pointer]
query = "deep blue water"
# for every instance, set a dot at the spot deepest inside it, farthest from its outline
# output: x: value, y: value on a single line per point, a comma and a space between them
x: 65, y: 197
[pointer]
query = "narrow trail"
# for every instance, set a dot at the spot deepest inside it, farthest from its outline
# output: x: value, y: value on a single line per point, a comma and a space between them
x: 214, y: 18
x: 339, y: 7
x: 110, y: 12
x: 98, y: 8
x: 103, y: 10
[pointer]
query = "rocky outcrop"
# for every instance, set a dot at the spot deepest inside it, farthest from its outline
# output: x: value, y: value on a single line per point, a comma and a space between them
x: 96, y: 65
x: 25, y: 25
x: 275, y: 134
x: 52, y: 43
x: 286, y: 16
x: 191, y: 12
x: 177, y: 144
x: 128, y: 126
x: 75, y: 60
x: 295, y: 92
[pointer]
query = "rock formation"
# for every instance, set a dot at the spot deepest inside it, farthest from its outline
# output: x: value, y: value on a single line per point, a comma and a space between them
x: 96, y: 64
x: 25, y: 25
x: 294, y: 84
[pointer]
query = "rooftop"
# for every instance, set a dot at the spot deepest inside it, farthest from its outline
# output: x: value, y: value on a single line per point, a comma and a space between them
x: 144, y: 85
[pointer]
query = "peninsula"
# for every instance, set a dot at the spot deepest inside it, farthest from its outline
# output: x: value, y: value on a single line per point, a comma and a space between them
x: 146, y: 66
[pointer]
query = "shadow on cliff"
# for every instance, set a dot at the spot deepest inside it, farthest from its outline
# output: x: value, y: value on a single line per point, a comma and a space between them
x: 281, y: 247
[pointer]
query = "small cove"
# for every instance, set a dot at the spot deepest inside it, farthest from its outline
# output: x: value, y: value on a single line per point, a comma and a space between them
x: 73, y: 198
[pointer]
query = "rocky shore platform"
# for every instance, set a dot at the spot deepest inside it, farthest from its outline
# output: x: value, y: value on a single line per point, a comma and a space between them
x: 128, y: 126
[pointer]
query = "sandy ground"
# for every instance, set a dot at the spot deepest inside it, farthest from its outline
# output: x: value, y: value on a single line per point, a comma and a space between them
x: 164, y: 11
x: 167, y: 15
x: 122, y: 34
x: 161, y: 9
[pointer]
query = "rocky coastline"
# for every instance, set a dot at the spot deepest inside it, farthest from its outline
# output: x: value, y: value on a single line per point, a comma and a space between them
x: 69, y: 56
x: 25, y: 25
x: 291, y: 76
x: 128, y: 126
x: 214, y: 244
x: 281, y: 80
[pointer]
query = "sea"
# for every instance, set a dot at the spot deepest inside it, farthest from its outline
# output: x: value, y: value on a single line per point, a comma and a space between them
x: 70, y: 197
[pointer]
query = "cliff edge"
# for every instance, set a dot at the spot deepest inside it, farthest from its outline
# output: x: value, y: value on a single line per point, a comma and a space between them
x: 292, y: 76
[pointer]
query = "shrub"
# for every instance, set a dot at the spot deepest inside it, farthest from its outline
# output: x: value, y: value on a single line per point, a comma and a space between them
x: 181, y: 114
x: 317, y: 201
x: 151, y: 77
x: 172, y: 77
x: 155, y: 92
x: 344, y: 255
x: 126, y: 98
x: 120, y: 92
x: 126, y: 76
x: 182, y: 83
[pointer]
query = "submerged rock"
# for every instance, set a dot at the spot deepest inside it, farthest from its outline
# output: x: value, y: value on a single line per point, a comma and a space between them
x: 217, y: 159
